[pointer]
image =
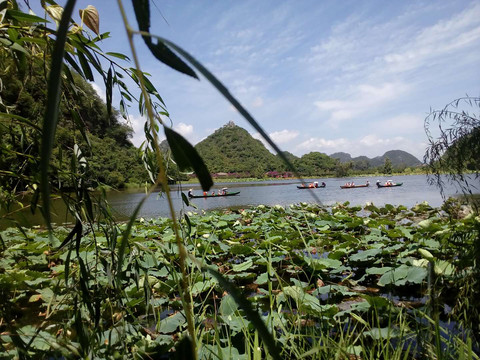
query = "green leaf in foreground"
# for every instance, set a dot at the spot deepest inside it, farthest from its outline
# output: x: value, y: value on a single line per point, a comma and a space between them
x: 273, y: 347
x: 187, y: 157
x: 53, y: 101
x: 159, y: 50
x: 402, y: 275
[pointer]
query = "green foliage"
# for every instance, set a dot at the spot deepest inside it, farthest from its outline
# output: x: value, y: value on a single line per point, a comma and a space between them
x: 313, y: 272
x: 387, y: 166
x: 454, y: 148
x: 233, y: 149
x: 316, y: 163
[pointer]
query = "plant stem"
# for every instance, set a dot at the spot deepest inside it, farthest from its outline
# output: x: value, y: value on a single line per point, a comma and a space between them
x: 185, y: 294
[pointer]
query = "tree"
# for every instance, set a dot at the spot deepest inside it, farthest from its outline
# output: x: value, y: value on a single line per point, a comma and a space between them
x: 316, y: 164
x: 387, y: 167
x: 452, y: 151
x: 455, y: 147
x: 343, y: 169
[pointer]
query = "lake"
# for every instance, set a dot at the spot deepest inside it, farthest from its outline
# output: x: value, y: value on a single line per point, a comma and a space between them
x: 415, y: 189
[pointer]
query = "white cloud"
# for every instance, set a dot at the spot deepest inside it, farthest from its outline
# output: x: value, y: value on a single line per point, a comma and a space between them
x: 257, y: 102
x: 401, y: 124
x: 363, y: 98
x: 434, y: 43
x: 374, y: 141
x: 184, y: 129
x: 99, y: 91
x: 284, y: 136
x: 137, y: 123
x: 279, y: 137
x: 323, y: 145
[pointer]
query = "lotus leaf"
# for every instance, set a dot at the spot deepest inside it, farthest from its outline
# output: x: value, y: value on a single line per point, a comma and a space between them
x: 202, y: 286
x: 443, y: 267
x: 262, y: 279
x: 239, y: 249
x: 304, y: 301
x: 366, y: 255
x: 228, y: 306
x: 383, y: 333
x: 214, y: 352
x: 335, y: 289
x: 430, y: 244
x: 402, y: 275
x: 243, y: 266
x: 323, y: 263
x: 172, y: 323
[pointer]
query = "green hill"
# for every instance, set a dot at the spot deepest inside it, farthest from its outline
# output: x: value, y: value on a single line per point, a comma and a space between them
x: 397, y: 157
x: 232, y: 149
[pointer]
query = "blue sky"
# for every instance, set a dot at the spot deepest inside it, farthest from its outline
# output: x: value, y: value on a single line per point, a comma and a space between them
x: 328, y: 76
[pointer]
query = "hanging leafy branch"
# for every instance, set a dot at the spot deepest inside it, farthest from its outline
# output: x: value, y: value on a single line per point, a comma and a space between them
x: 454, y: 143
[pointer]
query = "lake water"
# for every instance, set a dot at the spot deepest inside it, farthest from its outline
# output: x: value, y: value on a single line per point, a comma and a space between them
x: 415, y: 189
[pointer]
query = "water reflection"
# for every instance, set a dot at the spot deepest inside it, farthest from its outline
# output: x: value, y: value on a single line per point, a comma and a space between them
x: 415, y: 189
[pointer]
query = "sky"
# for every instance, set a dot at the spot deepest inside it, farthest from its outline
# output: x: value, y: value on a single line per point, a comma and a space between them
x: 352, y: 76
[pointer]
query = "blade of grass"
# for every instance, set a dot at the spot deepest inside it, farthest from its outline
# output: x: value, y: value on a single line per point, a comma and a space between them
x: 273, y: 348
x: 53, y: 106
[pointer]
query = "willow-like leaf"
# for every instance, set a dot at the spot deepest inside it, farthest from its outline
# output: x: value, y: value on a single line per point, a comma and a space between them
x: 74, y: 64
x: 19, y: 119
x: 85, y: 66
x: 126, y: 234
x: 159, y: 50
x: 23, y: 17
x: 53, y: 106
x: 187, y: 157
x: 108, y: 91
x: 224, y: 91
x: 273, y: 347
x: 119, y: 56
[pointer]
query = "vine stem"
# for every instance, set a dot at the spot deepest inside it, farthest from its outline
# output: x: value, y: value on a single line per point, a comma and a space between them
x: 185, y: 294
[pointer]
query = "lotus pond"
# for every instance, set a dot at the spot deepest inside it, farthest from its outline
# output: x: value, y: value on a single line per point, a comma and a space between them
x: 329, y: 283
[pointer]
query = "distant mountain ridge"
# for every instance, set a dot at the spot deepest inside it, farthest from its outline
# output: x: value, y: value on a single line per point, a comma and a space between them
x: 397, y: 157
x: 232, y: 149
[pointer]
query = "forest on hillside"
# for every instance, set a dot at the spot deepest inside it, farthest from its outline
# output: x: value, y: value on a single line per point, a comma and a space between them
x: 101, y: 137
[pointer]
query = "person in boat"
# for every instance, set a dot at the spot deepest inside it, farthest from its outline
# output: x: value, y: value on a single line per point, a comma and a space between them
x: 190, y: 193
x: 310, y: 185
x: 224, y: 191
x: 315, y: 184
x: 205, y: 193
x: 213, y: 193
x: 378, y: 182
x: 323, y: 184
x: 368, y: 183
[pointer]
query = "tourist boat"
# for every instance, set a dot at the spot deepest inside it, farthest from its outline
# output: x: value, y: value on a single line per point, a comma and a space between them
x: 349, y: 186
x: 315, y: 186
x: 389, y: 183
x: 191, y: 196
